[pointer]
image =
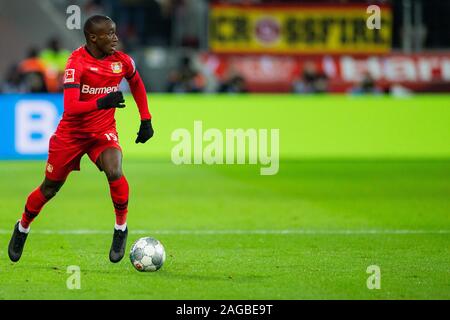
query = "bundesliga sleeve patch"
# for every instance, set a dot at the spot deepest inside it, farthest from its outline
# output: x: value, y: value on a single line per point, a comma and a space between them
x: 133, y: 64
x: 69, y: 75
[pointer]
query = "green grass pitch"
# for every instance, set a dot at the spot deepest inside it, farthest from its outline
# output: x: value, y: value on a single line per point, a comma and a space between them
x: 362, y: 182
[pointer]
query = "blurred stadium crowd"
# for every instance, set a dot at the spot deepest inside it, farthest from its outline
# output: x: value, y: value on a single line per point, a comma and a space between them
x: 183, y: 29
x: 39, y: 72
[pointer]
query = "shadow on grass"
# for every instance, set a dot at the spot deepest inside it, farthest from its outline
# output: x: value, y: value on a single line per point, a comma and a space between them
x: 173, y: 275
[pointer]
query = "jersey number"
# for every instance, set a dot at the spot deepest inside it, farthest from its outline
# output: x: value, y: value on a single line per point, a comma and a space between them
x: 111, y: 136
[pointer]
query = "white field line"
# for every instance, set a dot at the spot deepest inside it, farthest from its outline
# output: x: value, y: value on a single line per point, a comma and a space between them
x: 242, y: 232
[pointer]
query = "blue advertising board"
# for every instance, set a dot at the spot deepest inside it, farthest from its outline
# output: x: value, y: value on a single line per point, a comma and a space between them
x: 27, y: 122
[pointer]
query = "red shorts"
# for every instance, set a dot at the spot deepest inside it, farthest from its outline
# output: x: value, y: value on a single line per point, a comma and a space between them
x: 66, y: 150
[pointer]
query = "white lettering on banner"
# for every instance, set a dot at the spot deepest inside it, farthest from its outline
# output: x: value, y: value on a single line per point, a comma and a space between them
x: 396, y: 68
x: 265, y: 68
x: 34, y: 124
x: 400, y: 69
x: 427, y: 67
x: 353, y: 69
x: 373, y: 65
x: 417, y: 72
x: 446, y: 69
x: 350, y: 68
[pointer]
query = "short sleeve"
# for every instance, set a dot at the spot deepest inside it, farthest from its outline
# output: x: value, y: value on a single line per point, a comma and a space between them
x: 131, y: 68
x: 72, y: 73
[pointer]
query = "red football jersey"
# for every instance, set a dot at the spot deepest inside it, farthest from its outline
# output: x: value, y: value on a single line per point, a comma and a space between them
x: 95, y: 78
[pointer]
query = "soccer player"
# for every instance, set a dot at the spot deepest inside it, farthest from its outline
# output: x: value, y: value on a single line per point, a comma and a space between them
x: 91, y: 95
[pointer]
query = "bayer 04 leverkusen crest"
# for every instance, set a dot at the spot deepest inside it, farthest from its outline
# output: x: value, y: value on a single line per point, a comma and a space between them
x: 116, y: 67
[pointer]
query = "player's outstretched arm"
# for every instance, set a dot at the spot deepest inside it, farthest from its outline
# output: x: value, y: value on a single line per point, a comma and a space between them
x: 140, y: 96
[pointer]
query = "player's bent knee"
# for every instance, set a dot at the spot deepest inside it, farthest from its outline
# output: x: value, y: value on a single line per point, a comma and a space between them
x: 113, y: 174
x: 50, y: 192
x: 50, y: 188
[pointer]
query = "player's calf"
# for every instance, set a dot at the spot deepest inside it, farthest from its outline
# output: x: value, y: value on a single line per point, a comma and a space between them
x: 35, y: 202
x: 119, y: 193
x: 37, y: 199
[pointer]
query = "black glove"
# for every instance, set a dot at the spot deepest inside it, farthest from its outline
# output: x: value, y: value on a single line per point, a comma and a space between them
x: 145, y: 131
x: 111, y: 100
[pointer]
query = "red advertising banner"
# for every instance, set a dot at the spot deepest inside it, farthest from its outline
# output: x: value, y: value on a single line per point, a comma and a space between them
x: 268, y: 73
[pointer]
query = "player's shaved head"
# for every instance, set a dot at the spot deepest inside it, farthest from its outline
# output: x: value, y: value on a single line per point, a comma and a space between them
x: 100, y: 34
x: 94, y: 24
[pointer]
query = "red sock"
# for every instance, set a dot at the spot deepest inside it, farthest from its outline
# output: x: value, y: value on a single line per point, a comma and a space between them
x: 35, y: 202
x: 119, y: 194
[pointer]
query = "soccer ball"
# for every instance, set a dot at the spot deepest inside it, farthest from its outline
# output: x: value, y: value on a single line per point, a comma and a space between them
x: 147, y: 254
